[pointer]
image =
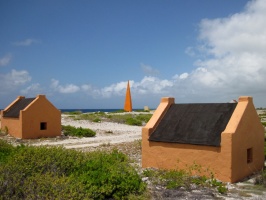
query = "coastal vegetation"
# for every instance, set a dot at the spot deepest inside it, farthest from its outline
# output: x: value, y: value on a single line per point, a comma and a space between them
x: 78, y: 132
x: 135, y: 118
x: 172, y: 179
x: 28, y: 172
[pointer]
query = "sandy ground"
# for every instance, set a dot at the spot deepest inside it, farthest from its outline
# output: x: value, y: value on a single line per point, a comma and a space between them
x: 106, y: 133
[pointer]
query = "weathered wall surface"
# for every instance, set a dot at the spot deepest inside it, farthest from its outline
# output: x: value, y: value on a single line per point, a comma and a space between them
x: 13, y: 126
x: 247, y: 133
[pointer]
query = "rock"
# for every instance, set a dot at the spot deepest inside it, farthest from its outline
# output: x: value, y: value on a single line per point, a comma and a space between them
x: 145, y: 179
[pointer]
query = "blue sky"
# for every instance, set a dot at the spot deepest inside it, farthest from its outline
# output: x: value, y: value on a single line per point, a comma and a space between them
x: 81, y: 53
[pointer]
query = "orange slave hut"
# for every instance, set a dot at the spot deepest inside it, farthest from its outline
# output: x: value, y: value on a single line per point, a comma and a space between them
x: 225, y: 138
x: 29, y: 118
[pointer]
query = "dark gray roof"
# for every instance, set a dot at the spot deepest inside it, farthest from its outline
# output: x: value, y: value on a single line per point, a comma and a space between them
x: 200, y: 124
x: 14, y: 110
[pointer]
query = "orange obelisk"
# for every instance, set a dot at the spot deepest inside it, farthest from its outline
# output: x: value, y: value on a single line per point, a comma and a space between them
x: 128, y: 102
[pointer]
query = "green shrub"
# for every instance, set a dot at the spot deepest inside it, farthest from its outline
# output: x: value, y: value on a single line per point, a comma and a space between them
x: 110, y: 176
x: 68, y: 130
x: 5, y: 150
x: 144, y: 117
x: 133, y: 121
x: 79, y: 132
x: 30, y: 171
x: 118, y: 111
x: 222, y: 189
x: 97, y: 120
x: 84, y: 132
x: 57, y: 173
x: 261, y: 178
x: 84, y: 117
x: 76, y: 112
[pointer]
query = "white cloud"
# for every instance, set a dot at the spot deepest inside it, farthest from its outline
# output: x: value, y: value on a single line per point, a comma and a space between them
x: 26, y: 42
x: 13, y: 80
x: 147, y: 69
x: 239, y: 33
x: 69, y: 88
x: 233, y: 55
x: 86, y: 88
x: 181, y: 76
x: 114, y: 89
x: 5, y: 60
x: 152, y: 85
x: 17, y: 77
x: 148, y: 85
x: 54, y: 84
x: 33, y: 89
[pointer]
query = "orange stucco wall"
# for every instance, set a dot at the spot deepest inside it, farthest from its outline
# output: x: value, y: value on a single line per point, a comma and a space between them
x: 13, y: 125
x: 228, y: 163
x: 28, y: 126
x: 247, y: 132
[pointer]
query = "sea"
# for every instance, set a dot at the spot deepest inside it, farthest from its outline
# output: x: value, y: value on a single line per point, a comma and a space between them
x: 94, y: 110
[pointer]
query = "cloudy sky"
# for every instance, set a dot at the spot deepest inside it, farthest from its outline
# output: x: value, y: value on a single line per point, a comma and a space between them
x: 81, y: 53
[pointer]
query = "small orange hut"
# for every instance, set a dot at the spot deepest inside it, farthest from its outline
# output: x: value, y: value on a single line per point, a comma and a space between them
x: 29, y: 118
x: 225, y: 138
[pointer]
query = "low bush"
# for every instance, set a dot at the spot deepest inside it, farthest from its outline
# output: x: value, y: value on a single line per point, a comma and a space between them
x: 79, y: 132
x: 58, y: 173
x: 173, y: 179
x: 133, y: 121
x: 127, y: 118
x: 96, y: 119
x: 5, y: 150
x: 144, y: 117
x: 261, y: 179
x: 110, y: 176
x: 76, y: 112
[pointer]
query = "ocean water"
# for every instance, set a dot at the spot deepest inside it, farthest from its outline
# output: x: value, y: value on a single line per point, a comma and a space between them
x: 93, y: 110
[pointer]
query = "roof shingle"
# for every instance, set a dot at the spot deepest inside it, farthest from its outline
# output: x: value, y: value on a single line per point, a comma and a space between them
x: 14, y: 110
x: 200, y: 124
